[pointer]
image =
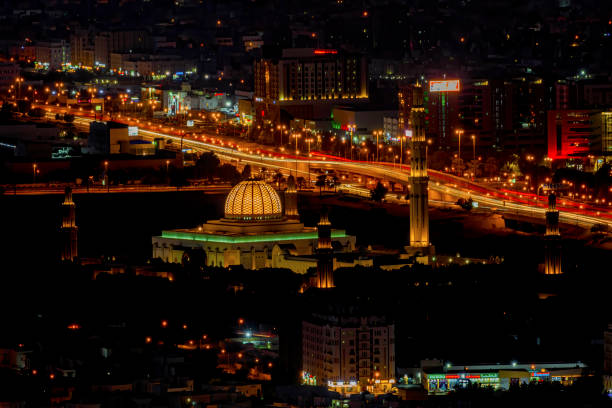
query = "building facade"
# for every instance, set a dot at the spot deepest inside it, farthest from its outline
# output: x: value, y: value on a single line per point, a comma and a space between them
x: 348, y: 353
x: 307, y: 82
x: 254, y: 233
x: 569, y: 133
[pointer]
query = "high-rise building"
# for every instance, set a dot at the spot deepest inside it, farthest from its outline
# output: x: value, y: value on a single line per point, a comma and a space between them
x: 325, y: 253
x: 80, y: 43
x: 69, y: 228
x: 348, y: 352
x: 307, y: 82
x: 552, y: 245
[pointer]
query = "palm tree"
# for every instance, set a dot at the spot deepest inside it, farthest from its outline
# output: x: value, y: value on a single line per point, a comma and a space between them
x: 335, y: 182
x: 321, y: 182
x: 278, y: 178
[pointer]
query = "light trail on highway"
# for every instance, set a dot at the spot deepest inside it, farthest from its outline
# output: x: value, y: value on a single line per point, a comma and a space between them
x: 519, y: 203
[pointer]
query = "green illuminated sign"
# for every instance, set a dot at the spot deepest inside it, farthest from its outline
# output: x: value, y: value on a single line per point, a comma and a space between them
x: 488, y: 375
x: 194, y: 236
x: 436, y: 376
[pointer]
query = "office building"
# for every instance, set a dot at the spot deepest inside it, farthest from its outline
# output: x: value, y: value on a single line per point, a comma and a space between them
x: 306, y: 83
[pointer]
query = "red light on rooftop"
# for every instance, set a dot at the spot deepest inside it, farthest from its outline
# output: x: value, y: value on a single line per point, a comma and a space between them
x: 323, y: 52
x: 365, y: 13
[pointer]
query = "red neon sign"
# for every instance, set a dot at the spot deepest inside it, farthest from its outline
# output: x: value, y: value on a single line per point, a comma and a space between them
x: 473, y: 376
x: 452, y: 377
x: 320, y: 52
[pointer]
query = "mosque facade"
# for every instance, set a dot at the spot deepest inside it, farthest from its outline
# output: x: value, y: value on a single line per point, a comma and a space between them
x: 256, y: 233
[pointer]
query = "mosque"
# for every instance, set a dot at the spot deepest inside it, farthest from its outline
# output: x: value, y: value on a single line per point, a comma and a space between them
x: 256, y: 233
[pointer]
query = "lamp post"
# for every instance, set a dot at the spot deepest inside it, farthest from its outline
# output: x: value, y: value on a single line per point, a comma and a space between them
x: 459, y: 132
x: 473, y: 147
x: 401, y: 158
x: 377, y: 133
x: 106, y: 176
x: 352, y: 129
x: 34, y: 166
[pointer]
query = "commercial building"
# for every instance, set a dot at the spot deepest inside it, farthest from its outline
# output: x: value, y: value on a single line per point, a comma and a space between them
x: 81, y: 48
x: 361, y: 119
x: 500, y: 114
x: 500, y: 376
x: 114, y: 138
x: 348, y: 352
x: 306, y: 83
x: 601, y: 138
x: 52, y: 54
x: 151, y: 65
x: 254, y: 233
x: 119, y: 41
x: 569, y: 133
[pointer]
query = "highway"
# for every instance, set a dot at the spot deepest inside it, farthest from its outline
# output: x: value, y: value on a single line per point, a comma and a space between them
x: 448, y: 187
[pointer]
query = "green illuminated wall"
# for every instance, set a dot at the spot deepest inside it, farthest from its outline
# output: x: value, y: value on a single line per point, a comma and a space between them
x: 247, y: 238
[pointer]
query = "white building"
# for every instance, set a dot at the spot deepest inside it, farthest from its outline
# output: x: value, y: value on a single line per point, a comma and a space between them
x: 348, y: 353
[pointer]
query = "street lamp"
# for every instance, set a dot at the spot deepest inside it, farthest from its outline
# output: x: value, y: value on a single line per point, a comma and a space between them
x: 34, y: 172
x: 459, y: 132
x: 352, y: 129
x: 474, y: 146
x: 106, y: 176
x: 377, y: 133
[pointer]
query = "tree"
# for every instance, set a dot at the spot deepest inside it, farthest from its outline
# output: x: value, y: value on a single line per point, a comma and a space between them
x: 491, y: 167
x: 300, y: 181
x: 246, y: 172
x: 379, y: 192
x: 278, y: 178
x: 207, y: 165
x: 228, y: 173
x: 178, y: 178
x: 439, y: 160
x: 335, y: 182
x: 321, y: 182
x: 465, y: 204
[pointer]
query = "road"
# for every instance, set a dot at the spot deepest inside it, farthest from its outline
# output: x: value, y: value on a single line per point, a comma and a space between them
x: 445, y: 185
x: 44, y: 190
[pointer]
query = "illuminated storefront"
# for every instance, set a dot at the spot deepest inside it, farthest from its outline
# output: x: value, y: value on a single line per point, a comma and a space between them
x: 503, y: 377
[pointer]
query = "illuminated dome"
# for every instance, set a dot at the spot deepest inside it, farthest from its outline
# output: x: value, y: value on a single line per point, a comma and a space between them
x: 253, y: 200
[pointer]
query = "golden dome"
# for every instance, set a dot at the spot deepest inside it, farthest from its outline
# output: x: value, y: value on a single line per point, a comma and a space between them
x: 253, y: 200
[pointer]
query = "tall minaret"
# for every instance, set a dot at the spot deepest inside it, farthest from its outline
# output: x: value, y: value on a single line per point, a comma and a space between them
x: 552, y: 244
x: 325, y: 253
x: 419, y: 216
x: 69, y: 228
x: 291, y: 209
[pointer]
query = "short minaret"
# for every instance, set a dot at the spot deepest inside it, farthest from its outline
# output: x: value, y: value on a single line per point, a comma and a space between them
x: 419, y: 216
x: 552, y: 244
x: 69, y: 228
x: 325, y: 253
x: 291, y: 209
